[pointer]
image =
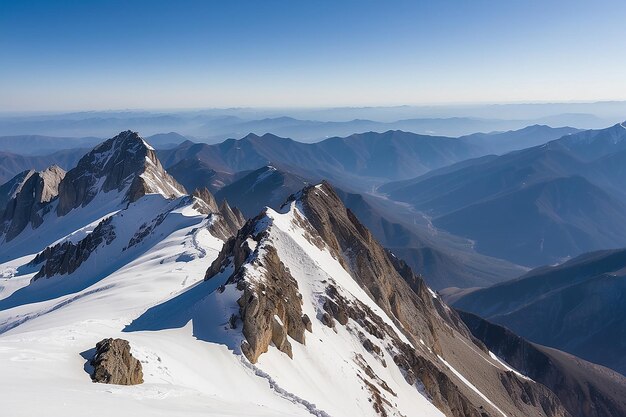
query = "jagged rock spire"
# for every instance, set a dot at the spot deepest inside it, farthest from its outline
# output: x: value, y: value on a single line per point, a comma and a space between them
x: 31, y: 190
x: 125, y: 162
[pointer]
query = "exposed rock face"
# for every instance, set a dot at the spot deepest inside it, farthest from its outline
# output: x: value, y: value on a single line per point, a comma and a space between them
x: 11, y: 188
x: 29, y: 193
x: 270, y: 309
x: 270, y: 306
x: 66, y: 257
x: 114, y: 364
x: 585, y: 389
x: 205, y: 195
x: 51, y: 178
x: 226, y: 221
x: 123, y: 162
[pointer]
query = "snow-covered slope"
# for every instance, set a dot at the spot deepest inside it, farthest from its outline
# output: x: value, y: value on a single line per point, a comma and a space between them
x: 115, y: 173
x: 301, y: 313
x: 44, y: 345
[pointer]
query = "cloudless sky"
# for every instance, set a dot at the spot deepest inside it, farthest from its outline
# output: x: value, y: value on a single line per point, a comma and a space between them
x: 90, y: 54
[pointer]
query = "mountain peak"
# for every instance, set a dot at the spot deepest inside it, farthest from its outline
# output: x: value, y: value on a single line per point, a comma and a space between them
x: 125, y: 163
x: 127, y: 140
x: 29, y: 192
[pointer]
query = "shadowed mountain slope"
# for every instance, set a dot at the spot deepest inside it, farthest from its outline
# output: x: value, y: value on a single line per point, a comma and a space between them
x: 585, y: 389
x: 577, y: 307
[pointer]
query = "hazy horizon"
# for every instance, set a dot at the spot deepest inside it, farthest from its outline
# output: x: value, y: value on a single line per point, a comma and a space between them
x: 182, y: 109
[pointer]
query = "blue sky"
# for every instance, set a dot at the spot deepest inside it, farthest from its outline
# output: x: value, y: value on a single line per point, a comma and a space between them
x: 79, y: 55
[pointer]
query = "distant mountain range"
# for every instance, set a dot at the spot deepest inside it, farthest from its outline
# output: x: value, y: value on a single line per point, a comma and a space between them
x: 44, y: 145
x: 535, y: 206
x: 217, y: 166
x: 503, y: 142
x: 578, y: 307
x: 361, y: 160
x: 358, y: 161
x: 313, y: 125
x: 13, y: 164
x: 537, y: 190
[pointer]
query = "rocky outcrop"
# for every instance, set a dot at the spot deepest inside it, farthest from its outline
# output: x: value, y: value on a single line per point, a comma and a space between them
x: 270, y: 309
x: 113, y: 363
x: 226, y: 221
x: 125, y: 162
x: 585, y: 389
x: 66, y: 257
x: 48, y: 187
x: 205, y: 195
x: 11, y: 188
x: 29, y: 193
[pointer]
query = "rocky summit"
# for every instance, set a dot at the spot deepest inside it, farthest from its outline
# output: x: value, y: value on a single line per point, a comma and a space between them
x: 125, y: 163
x: 30, y: 192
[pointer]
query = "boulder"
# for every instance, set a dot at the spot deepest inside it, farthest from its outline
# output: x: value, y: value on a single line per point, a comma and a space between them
x: 114, y: 364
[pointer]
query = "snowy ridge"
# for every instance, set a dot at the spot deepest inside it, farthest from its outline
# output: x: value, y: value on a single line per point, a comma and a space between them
x: 366, y: 377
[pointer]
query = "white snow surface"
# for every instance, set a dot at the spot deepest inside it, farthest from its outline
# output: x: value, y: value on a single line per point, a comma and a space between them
x: 153, y: 295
